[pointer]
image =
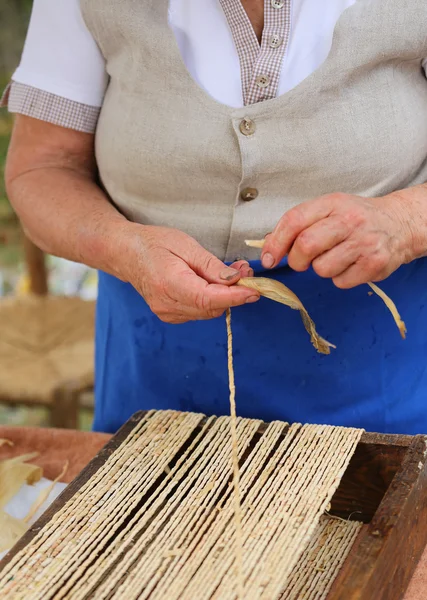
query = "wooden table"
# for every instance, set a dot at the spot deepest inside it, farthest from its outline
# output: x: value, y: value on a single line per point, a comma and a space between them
x: 55, y: 446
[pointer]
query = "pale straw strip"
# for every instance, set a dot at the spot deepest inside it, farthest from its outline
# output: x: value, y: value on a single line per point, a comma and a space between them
x: 238, y: 541
x: 282, y: 555
x: 198, y: 531
x: 180, y: 543
x: 63, y: 519
x: 143, y: 516
x: 208, y: 449
x: 268, y: 510
x: 323, y: 559
x: 193, y: 506
x: 259, y: 506
x: 51, y: 529
x: 127, y: 490
x: 181, y: 575
x: 308, y: 503
x: 214, y: 538
x: 222, y: 534
x: 127, y: 495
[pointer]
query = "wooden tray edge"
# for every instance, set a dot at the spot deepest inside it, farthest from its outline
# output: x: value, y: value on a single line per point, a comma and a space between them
x: 375, y: 570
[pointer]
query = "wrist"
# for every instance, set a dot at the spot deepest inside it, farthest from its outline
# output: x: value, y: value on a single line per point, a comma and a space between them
x: 111, y: 245
x: 409, y: 209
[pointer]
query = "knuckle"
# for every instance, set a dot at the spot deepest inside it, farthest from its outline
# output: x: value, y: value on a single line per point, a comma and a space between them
x: 164, y: 317
x: 306, y: 243
x: 293, y: 219
x: 339, y: 197
x: 354, y: 217
x: 202, y: 302
x: 342, y: 283
x: 156, y: 308
x: 209, y: 262
x: 323, y: 269
x: 239, y: 264
x: 378, y: 261
x: 215, y: 314
x: 358, y: 217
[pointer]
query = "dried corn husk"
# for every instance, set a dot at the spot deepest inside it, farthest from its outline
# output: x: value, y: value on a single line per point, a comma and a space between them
x: 44, y: 495
x: 14, y: 472
x: 274, y: 290
x: 4, y: 442
x: 255, y: 243
x: 386, y: 299
x: 392, y: 308
x: 11, y: 531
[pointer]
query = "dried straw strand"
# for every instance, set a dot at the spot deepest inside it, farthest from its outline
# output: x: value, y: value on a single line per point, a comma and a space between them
x: 386, y: 299
x: 235, y: 455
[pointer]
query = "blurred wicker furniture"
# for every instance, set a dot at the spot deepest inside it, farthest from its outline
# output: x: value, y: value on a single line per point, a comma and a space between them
x: 46, y: 347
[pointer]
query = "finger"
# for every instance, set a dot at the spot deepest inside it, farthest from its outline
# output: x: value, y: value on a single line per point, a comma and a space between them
x: 173, y: 319
x: 316, y: 240
x: 209, y: 267
x: 332, y: 263
x: 372, y: 268
x: 278, y: 244
x: 197, y: 298
x: 244, y: 267
x: 351, y: 277
x: 215, y: 314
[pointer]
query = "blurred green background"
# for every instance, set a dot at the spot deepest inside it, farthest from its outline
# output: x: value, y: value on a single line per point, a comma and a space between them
x: 14, y: 18
x: 64, y: 277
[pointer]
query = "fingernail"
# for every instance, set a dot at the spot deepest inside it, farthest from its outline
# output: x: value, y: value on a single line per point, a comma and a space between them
x: 228, y: 274
x: 267, y: 260
x: 251, y: 273
x: 252, y: 299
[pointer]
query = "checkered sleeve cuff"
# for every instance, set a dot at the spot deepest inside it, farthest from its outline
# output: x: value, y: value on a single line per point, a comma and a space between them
x: 32, y: 102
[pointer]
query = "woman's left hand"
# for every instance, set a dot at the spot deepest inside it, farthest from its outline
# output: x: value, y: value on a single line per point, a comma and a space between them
x: 348, y: 238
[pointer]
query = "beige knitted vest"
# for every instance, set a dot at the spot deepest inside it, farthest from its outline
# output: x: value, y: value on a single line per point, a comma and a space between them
x: 170, y: 155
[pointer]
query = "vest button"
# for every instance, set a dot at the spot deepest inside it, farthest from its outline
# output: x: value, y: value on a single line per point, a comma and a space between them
x: 248, y: 194
x: 247, y: 127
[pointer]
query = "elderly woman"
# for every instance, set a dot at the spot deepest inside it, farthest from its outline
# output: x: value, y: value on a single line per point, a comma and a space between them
x: 154, y: 137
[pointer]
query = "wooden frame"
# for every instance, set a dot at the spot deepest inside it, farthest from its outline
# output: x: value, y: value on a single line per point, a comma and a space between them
x: 36, y: 267
x: 385, y: 486
x: 64, y: 406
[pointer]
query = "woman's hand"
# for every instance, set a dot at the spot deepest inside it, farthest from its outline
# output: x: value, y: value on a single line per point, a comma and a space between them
x: 350, y: 239
x: 52, y: 181
x: 178, y: 278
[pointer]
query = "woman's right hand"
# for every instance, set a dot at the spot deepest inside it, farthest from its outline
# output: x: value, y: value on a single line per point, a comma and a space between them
x: 178, y: 278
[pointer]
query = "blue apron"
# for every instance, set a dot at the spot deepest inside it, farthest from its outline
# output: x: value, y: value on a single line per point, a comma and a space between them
x: 373, y: 379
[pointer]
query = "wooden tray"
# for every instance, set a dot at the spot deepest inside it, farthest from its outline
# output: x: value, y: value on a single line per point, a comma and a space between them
x: 385, y: 486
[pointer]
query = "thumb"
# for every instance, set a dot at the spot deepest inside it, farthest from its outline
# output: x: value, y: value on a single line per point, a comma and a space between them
x: 211, y: 269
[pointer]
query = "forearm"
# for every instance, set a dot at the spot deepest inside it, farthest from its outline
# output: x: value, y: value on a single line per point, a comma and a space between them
x: 65, y: 213
x: 51, y: 179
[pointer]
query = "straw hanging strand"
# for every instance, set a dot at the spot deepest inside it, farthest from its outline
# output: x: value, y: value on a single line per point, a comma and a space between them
x: 235, y: 456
